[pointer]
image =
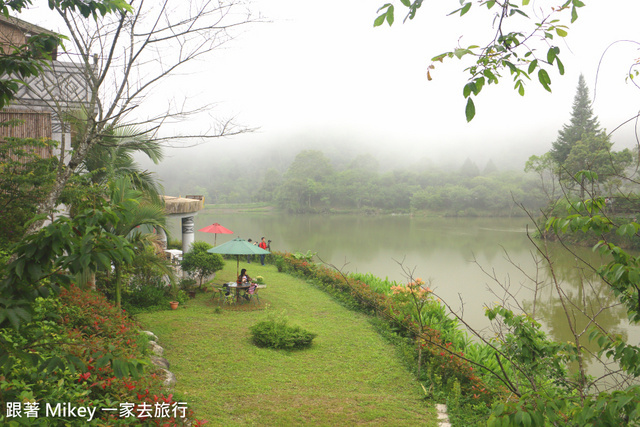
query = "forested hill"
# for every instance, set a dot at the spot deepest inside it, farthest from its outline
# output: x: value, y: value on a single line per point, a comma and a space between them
x: 313, y: 182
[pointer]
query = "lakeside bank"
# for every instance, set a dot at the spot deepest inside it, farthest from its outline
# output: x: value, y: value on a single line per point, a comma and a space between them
x: 351, y: 375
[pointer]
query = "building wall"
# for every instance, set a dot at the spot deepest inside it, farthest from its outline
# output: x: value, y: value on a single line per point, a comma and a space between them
x: 62, y: 88
x: 33, y: 124
x: 15, y: 32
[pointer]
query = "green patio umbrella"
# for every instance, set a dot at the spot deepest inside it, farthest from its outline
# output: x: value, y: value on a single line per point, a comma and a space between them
x: 238, y: 247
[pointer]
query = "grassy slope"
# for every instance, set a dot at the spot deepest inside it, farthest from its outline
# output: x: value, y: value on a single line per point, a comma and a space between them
x: 349, y: 376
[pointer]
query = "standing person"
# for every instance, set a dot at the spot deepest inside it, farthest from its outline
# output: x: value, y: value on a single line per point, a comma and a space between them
x: 262, y: 245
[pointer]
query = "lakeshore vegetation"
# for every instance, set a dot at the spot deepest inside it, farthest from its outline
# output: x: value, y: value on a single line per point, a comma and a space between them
x: 65, y: 338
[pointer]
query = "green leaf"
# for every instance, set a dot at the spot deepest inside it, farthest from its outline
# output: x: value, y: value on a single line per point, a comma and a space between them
x: 459, y: 53
x: 470, y: 110
x: 514, y: 11
x: 560, y: 66
x: 512, y: 68
x: 468, y: 88
x: 379, y: 20
x: 406, y: 3
x: 552, y: 53
x: 490, y: 76
x: 561, y: 32
x: 465, y: 9
x: 544, y: 79
x: 490, y: 4
x: 440, y: 57
x: 390, y: 15
x: 19, y: 269
x: 102, y: 361
x: 532, y: 66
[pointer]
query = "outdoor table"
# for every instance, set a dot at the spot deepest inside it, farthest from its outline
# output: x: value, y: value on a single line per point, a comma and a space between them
x: 238, y: 288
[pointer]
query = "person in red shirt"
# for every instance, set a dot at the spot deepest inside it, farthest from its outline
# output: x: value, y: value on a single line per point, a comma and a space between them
x: 262, y: 245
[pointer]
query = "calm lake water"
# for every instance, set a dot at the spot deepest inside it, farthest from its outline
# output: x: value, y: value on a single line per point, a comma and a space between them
x: 470, y: 262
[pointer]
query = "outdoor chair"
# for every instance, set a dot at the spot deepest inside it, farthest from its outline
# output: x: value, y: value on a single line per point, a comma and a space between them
x: 219, y: 292
x: 229, y: 297
x: 253, y: 294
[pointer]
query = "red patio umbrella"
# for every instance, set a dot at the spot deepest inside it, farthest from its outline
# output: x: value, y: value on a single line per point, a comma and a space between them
x: 215, y: 229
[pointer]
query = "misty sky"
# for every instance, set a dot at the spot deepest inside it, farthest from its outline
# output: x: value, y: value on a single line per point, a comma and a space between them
x: 319, y: 73
x: 323, y: 73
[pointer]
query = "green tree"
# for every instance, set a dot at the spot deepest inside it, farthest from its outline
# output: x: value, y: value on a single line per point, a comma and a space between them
x: 310, y: 164
x: 593, y: 154
x: 56, y: 254
x: 490, y: 168
x: 200, y: 263
x: 583, y: 146
x: 304, y: 184
x: 272, y: 179
x: 141, y: 212
x: 469, y: 169
x: 547, y: 170
x: 582, y: 123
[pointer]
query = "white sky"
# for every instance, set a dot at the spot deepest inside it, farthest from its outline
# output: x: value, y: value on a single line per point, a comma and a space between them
x: 320, y: 71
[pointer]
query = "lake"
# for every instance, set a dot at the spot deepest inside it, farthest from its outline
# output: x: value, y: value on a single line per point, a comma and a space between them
x: 470, y: 262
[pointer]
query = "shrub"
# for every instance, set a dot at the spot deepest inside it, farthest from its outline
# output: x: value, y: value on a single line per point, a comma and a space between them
x: 279, y: 262
x: 80, y: 349
x: 199, y: 263
x: 276, y: 333
x: 146, y: 296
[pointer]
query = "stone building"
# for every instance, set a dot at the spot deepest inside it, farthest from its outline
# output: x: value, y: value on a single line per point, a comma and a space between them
x: 45, y: 99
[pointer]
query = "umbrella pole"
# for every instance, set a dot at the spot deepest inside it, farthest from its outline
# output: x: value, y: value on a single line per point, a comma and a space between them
x: 238, y: 265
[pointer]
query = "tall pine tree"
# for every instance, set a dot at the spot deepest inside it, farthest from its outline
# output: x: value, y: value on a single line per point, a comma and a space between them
x: 582, y: 123
x: 583, y: 146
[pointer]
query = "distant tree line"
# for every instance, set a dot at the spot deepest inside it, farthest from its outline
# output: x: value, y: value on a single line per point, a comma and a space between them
x: 580, y: 161
x: 312, y: 184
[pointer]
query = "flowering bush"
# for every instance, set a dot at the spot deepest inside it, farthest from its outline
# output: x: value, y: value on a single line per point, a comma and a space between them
x: 81, y: 350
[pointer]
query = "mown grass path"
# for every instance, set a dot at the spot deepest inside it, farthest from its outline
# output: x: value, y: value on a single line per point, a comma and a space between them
x: 350, y: 375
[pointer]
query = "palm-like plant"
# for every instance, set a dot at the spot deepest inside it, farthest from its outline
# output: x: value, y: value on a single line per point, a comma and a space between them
x: 140, y: 212
x: 113, y: 155
x: 111, y: 163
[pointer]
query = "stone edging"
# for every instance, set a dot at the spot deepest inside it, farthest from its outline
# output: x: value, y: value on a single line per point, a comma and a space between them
x: 159, y: 361
x: 443, y: 418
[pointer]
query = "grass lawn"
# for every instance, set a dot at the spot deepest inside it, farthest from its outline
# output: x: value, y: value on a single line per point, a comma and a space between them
x: 349, y: 376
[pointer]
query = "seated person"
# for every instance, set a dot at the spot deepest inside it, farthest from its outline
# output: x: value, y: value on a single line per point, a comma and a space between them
x: 243, y: 278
